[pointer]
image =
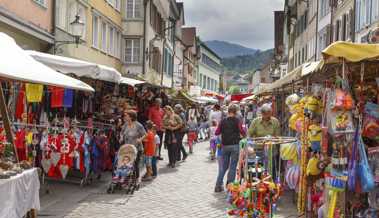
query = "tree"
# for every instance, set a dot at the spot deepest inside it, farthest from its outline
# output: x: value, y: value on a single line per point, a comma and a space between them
x: 234, y: 90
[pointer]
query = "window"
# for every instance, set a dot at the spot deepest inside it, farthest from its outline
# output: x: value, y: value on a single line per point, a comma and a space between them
x: 104, y: 36
x: 133, y: 9
x: 118, y: 5
x: 41, y: 2
x: 170, y: 31
x: 375, y: 10
x: 156, y: 20
x: 61, y: 14
x: 324, y: 8
x: 117, y: 44
x: 209, y: 62
x: 168, y: 62
x: 95, y: 31
x: 132, y: 51
x: 111, y: 40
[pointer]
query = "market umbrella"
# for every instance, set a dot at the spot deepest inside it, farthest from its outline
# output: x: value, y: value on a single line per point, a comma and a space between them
x: 353, y: 52
x: 130, y: 81
x: 17, y: 65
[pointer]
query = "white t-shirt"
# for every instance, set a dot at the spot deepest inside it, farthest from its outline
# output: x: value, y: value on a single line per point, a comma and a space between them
x: 215, y: 115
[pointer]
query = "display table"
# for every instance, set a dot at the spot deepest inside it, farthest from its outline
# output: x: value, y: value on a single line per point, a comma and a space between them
x: 19, y: 194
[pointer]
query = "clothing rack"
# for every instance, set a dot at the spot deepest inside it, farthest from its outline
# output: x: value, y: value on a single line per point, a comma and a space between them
x: 49, y: 126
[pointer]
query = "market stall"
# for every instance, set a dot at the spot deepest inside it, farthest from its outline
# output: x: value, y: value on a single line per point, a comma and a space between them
x: 336, y: 120
x: 93, y: 121
x: 18, y: 178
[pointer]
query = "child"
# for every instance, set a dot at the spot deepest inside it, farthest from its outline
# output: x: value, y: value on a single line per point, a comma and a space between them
x: 124, y: 168
x: 149, y: 149
x: 156, y: 156
x: 213, y: 144
x: 192, y: 133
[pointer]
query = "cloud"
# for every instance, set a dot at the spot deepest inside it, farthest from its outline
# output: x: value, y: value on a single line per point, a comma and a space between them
x: 247, y: 22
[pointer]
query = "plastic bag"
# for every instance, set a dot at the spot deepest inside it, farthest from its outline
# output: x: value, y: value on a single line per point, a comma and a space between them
x: 341, y: 100
x: 364, y: 170
x: 352, y: 167
x: 288, y: 151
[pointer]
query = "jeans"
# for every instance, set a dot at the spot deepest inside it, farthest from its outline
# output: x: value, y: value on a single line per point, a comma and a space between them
x: 154, y: 166
x: 230, y: 156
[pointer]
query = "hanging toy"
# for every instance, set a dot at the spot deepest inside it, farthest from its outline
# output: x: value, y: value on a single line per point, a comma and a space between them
x: 336, y: 185
x: 64, y: 150
x: 292, y: 177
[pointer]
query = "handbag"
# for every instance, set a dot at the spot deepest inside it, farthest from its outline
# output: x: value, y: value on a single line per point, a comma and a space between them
x: 364, y: 170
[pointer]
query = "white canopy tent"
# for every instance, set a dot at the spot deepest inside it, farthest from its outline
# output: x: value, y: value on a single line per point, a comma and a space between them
x: 77, y: 67
x: 18, y: 65
x: 205, y: 99
x: 130, y: 81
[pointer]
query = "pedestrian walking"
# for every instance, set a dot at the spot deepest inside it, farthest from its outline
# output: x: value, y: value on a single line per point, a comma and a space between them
x: 155, y: 114
x: 172, y: 124
x: 230, y: 129
x: 192, y: 133
x: 133, y: 133
x: 179, y: 110
x: 149, y: 150
x: 156, y: 156
x: 215, y: 114
x: 213, y: 141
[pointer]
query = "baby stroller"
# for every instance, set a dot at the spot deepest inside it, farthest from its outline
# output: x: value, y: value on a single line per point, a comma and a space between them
x: 124, y: 174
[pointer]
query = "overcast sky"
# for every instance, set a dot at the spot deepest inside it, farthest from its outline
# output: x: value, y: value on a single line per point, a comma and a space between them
x: 246, y: 22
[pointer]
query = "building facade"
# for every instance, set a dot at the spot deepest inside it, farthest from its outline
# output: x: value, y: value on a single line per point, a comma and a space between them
x: 210, y: 69
x: 190, y: 57
x: 366, y: 19
x: 310, y: 26
x: 149, y: 34
x: 101, y: 41
x: 29, y: 22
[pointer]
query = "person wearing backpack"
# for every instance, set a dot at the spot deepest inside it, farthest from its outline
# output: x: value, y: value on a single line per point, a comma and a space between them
x: 231, y: 131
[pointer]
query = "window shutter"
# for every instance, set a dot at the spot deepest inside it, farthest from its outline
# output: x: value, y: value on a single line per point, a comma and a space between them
x: 344, y: 27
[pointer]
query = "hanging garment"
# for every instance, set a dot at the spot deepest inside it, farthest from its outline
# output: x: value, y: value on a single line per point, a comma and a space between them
x: 57, y: 95
x: 20, y: 144
x: 33, y: 92
x: 20, y: 105
x: 68, y: 98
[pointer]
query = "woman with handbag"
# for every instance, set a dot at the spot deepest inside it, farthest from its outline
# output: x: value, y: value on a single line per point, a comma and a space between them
x: 172, y: 123
x: 133, y: 133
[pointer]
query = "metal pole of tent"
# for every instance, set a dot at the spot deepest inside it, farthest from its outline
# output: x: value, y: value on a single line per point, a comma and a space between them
x: 6, y: 122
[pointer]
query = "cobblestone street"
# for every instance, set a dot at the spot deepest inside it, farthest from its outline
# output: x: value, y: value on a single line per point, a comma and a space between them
x: 186, y: 191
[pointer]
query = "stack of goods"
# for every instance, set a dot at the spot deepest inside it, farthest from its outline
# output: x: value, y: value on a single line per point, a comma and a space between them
x: 336, y: 169
x: 253, y: 199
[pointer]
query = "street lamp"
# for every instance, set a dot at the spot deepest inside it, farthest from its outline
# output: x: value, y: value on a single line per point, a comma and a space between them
x: 77, y: 31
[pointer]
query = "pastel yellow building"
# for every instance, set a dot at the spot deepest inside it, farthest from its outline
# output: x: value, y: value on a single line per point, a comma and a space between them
x: 101, y: 41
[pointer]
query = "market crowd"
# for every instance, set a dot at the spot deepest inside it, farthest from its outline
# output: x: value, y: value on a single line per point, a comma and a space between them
x: 174, y: 128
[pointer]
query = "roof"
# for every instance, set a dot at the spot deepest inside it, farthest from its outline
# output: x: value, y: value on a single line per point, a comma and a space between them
x: 209, y: 49
x: 189, y: 36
